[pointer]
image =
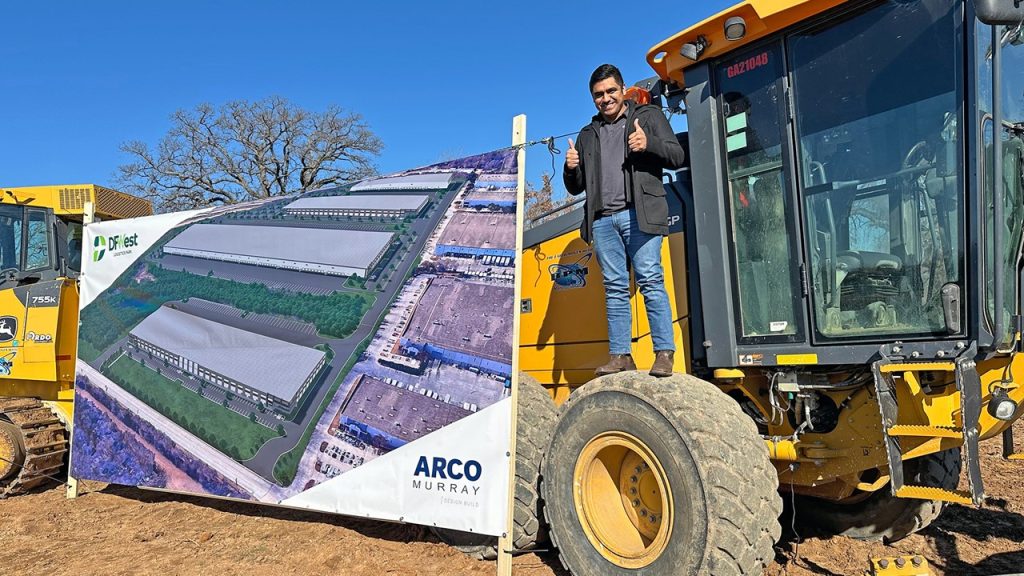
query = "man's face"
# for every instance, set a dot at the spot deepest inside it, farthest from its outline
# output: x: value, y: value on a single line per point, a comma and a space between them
x: 608, y: 98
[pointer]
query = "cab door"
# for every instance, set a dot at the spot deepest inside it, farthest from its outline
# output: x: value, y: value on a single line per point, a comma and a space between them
x: 759, y: 197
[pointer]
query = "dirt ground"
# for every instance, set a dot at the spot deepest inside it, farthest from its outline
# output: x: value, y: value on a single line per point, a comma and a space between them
x: 112, y: 530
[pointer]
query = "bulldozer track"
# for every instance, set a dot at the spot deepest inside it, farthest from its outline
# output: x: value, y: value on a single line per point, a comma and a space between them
x: 45, y: 442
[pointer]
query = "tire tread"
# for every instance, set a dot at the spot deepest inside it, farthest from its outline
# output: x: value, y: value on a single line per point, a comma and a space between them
x: 744, y: 523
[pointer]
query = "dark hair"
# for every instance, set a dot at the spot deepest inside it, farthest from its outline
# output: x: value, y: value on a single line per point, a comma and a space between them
x: 603, y: 72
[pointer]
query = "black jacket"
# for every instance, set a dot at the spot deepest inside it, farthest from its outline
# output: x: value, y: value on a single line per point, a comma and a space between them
x: 644, y: 189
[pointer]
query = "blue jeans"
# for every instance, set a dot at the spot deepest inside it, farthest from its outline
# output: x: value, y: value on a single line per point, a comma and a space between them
x: 618, y: 242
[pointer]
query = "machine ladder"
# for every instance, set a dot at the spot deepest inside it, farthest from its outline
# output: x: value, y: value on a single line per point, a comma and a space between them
x: 968, y: 383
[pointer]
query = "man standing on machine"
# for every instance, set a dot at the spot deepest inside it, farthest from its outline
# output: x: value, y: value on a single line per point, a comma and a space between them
x: 618, y: 161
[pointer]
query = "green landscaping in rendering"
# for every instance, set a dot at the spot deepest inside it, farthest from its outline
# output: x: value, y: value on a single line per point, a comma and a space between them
x: 111, y: 316
x: 227, y: 431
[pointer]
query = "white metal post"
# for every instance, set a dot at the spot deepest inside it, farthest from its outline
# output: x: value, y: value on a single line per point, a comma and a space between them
x: 88, y: 216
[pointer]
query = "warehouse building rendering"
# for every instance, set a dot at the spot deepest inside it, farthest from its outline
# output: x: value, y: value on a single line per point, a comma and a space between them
x: 497, y: 181
x: 478, y: 198
x: 394, y: 414
x: 303, y: 249
x: 431, y: 181
x: 253, y: 366
x: 376, y: 205
x: 476, y: 234
x: 463, y: 323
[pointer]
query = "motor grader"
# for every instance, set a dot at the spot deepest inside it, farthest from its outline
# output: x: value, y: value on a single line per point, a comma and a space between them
x: 845, y: 273
x: 40, y: 259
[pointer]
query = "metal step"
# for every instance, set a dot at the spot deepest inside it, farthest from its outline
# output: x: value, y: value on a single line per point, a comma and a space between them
x: 1009, y: 451
x: 925, y: 431
x: 940, y: 366
x: 935, y: 493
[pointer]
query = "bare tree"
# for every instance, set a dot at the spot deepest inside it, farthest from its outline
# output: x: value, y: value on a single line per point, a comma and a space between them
x: 541, y: 201
x: 249, y: 150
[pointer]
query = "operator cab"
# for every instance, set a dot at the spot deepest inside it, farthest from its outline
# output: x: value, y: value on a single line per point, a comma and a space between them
x: 27, y: 245
x: 845, y: 194
x: 41, y: 228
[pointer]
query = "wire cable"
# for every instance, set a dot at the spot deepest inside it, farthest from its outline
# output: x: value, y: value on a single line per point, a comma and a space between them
x: 22, y: 466
x: 792, y: 517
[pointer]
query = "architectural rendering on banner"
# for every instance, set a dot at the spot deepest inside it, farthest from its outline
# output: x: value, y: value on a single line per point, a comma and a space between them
x: 359, y: 205
x: 376, y: 408
x: 302, y: 249
x: 428, y: 181
x: 497, y: 182
x: 257, y: 367
x: 464, y: 323
x: 484, y: 198
x: 475, y: 234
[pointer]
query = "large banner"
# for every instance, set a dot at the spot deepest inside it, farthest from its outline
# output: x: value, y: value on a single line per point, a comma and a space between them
x: 348, y: 350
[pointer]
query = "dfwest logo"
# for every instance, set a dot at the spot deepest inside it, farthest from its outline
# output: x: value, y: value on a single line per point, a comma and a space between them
x: 101, y: 244
x: 438, y: 469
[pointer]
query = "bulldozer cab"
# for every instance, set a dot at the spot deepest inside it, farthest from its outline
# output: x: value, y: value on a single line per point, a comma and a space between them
x: 41, y: 228
x: 40, y: 260
x: 36, y: 246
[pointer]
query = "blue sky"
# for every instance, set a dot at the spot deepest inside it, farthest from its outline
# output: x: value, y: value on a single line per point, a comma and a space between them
x: 433, y: 80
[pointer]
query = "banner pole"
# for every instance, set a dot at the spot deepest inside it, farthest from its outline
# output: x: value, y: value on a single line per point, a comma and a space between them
x: 88, y: 216
x: 506, y: 543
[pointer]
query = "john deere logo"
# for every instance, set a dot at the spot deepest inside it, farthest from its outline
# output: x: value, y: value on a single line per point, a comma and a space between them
x: 8, y: 328
x: 99, y: 245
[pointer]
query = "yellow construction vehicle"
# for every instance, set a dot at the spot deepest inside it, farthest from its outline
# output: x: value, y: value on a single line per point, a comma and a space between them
x: 845, y: 274
x: 40, y: 258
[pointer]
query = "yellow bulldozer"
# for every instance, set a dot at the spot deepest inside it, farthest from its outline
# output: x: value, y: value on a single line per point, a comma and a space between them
x: 845, y: 273
x: 40, y: 259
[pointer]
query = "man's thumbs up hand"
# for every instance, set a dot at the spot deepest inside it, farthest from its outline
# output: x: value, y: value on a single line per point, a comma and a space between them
x: 572, y: 157
x: 638, y: 139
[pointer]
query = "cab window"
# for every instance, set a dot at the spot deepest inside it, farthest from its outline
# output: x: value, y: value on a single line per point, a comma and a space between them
x: 38, y: 253
x: 764, y: 254
x: 10, y: 237
x: 74, y: 240
x: 879, y: 152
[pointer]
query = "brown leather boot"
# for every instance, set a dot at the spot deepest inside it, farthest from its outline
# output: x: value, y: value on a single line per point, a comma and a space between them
x: 663, y: 360
x: 616, y: 363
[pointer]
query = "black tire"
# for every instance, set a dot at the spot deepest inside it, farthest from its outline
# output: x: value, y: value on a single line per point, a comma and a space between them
x: 722, y: 483
x: 536, y: 423
x: 883, y: 516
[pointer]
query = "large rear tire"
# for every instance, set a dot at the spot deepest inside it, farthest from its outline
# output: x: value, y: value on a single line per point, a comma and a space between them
x: 665, y: 476
x: 883, y: 516
x: 536, y: 422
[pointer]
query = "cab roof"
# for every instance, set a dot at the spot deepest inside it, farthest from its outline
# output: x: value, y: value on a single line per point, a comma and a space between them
x: 762, y: 18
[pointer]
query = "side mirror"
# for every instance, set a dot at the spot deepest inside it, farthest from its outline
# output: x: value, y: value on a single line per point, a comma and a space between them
x: 1000, y: 12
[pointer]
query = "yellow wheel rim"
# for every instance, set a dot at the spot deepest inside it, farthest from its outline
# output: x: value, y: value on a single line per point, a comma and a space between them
x: 622, y: 499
